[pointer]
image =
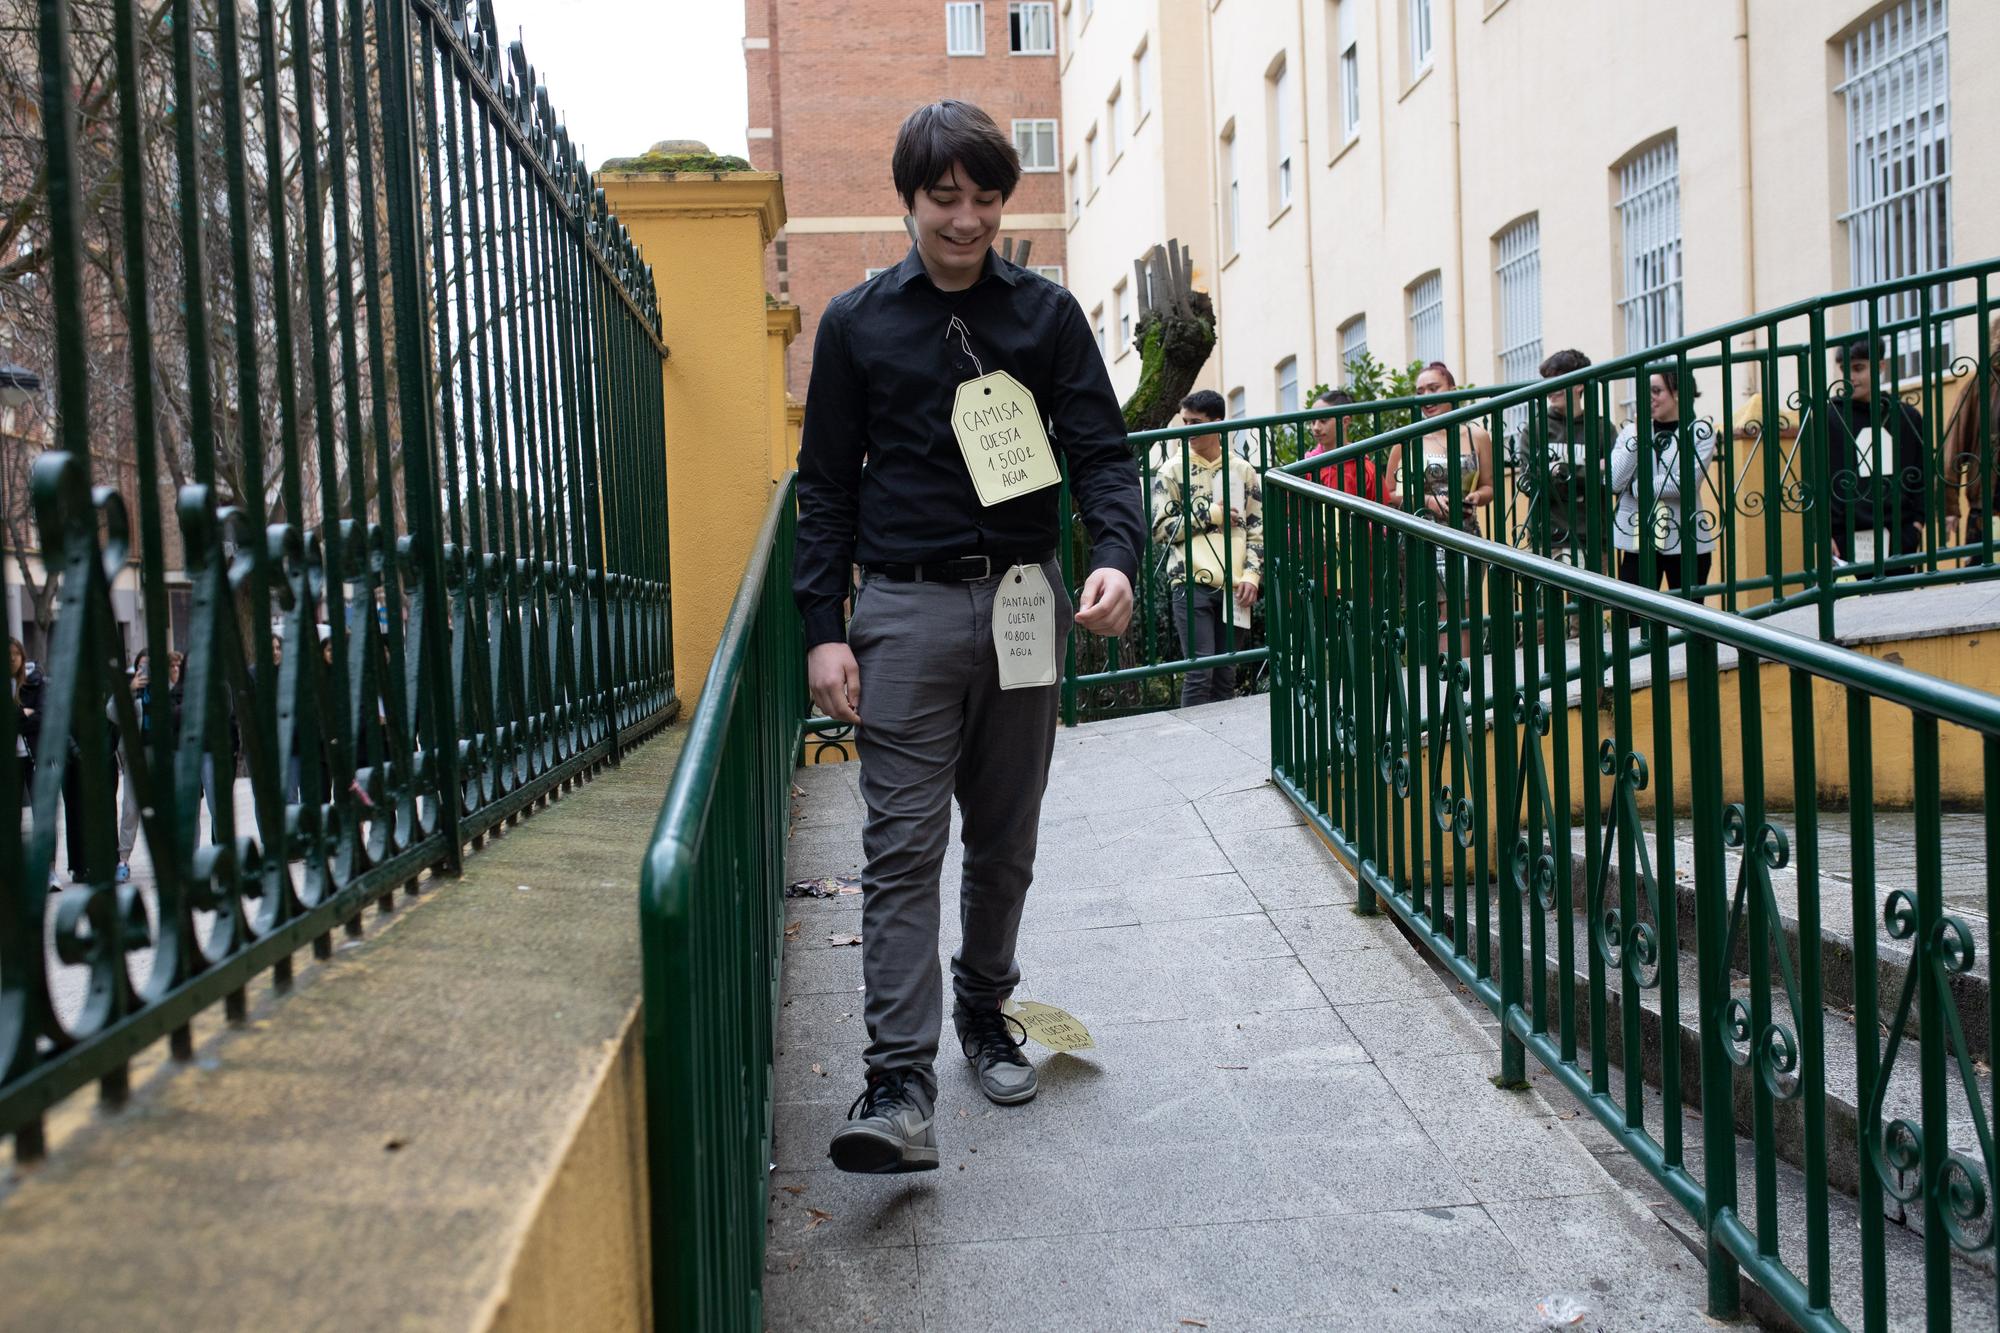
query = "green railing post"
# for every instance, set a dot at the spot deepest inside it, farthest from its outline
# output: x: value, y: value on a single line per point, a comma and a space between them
x: 1711, y: 906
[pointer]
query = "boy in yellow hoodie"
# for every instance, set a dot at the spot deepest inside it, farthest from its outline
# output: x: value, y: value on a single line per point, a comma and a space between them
x: 1208, y: 512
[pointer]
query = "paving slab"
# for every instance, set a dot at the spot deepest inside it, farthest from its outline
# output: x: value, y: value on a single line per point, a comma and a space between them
x: 1287, y: 1120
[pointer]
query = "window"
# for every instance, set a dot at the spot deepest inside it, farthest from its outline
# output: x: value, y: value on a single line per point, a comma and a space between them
x: 1069, y: 29
x: 1097, y: 326
x: 1035, y: 141
x: 965, y: 28
x: 1898, y: 215
x: 871, y: 272
x: 1517, y: 276
x: 1075, y: 191
x: 1278, y: 96
x: 1238, y: 407
x: 1031, y: 28
x: 1288, y: 384
x: 1115, y: 144
x: 1649, y: 222
x: 1091, y: 167
x: 1232, y: 202
x: 1142, y: 80
x: 1347, y: 51
x: 1353, y: 346
x: 1053, y: 272
x: 1121, y: 295
x: 1420, y: 37
x: 1426, y: 303
x: 1089, y: 8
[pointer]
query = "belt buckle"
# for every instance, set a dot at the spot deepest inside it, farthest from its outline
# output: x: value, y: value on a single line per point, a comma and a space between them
x: 989, y: 565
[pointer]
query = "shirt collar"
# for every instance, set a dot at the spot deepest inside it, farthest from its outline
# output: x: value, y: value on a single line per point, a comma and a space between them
x: 912, y: 268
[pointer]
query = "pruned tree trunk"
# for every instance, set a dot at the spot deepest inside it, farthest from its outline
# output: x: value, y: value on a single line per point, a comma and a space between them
x: 1174, y: 336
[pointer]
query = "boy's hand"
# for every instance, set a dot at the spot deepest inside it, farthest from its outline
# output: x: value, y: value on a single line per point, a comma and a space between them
x: 1107, y: 603
x: 834, y: 678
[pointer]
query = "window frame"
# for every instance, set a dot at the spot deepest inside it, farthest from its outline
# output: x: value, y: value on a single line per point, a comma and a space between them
x: 1277, y: 82
x: 1055, y: 145
x: 1020, y: 9
x: 1115, y: 146
x: 1424, y: 308
x: 958, y: 9
x: 1517, y: 306
x: 1053, y: 272
x: 1121, y: 296
x: 1075, y: 189
x: 1651, y: 304
x: 1232, y: 203
x: 1895, y: 95
x: 1093, y: 169
x: 1278, y: 380
x: 1351, y: 347
x: 1347, y: 70
x: 1142, y: 65
x: 1421, y: 20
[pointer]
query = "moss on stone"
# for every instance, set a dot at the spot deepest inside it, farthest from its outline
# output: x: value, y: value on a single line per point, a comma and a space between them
x: 1172, y: 351
x: 650, y: 163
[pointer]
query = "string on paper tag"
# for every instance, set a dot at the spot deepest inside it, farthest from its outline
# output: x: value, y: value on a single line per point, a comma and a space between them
x: 1024, y: 628
x: 999, y: 430
x: 957, y: 326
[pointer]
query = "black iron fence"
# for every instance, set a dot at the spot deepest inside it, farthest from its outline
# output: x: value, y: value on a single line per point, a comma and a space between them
x: 332, y: 283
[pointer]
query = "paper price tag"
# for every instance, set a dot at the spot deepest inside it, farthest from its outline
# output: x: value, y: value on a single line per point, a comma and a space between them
x: 1024, y: 628
x: 1050, y: 1026
x: 999, y: 431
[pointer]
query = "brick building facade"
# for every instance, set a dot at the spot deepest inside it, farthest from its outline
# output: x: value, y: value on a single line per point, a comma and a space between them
x: 830, y: 84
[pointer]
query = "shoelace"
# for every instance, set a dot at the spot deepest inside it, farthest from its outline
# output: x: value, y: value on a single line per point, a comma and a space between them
x: 883, y: 1093
x: 987, y: 1037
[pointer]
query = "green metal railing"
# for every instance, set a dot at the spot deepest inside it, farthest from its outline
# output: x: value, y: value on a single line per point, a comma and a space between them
x: 1456, y: 784
x: 337, y: 273
x: 711, y: 913
x: 1134, y: 672
x: 1775, y: 479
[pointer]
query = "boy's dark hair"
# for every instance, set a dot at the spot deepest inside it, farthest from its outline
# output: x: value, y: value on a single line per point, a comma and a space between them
x: 1331, y: 398
x: 936, y: 136
x: 1207, y: 402
x: 1562, y: 363
x: 1862, y: 348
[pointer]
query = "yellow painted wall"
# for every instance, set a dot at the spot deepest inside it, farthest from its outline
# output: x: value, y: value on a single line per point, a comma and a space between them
x: 1960, y: 658
x: 705, y: 236
x: 586, y: 1258
x: 781, y: 325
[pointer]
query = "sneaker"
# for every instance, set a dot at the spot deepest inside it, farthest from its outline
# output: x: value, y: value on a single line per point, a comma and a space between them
x: 888, y: 1128
x: 124, y: 872
x: 1005, y: 1075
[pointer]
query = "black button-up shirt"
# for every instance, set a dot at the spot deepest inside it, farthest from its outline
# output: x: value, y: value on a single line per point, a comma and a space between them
x: 881, y: 476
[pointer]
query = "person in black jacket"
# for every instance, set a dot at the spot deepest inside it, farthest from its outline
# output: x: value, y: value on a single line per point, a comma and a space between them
x: 1876, y: 458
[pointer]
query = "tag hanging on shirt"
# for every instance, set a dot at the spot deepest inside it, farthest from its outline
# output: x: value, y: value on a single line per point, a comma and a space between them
x: 999, y: 431
x: 1024, y: 628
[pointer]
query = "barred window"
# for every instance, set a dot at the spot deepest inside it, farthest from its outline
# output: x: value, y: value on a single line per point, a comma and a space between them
x: 1353, y: 346
x: 1426, y: 303
x: 1517, y: 273
x: 1898, y: 218
x: 1649, y: 221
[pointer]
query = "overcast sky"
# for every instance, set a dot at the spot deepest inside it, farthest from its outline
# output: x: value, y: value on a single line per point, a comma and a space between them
x: 624, y: 74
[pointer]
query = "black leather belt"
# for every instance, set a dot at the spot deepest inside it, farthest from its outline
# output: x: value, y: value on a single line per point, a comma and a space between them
x: 959, y: 569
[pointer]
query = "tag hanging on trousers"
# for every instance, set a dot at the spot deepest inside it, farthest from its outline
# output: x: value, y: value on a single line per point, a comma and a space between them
x: 1024, y: 628
x: 999, y: 431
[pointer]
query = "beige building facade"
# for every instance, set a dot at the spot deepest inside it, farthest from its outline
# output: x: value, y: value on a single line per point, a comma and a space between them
x: 1484, y: 181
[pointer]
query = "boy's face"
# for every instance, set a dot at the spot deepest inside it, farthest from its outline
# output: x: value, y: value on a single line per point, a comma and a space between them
x: 1860, y: 378
x: 956, y: 223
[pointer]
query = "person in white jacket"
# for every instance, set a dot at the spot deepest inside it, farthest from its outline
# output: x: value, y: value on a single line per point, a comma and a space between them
x: 1672, y: 517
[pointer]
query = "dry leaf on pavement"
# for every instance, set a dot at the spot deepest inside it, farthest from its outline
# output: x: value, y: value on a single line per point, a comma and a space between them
x: 838, y: 940
x: 818, y: 1216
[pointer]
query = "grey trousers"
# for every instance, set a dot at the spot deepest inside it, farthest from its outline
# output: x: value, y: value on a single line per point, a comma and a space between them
x: 1210, y: 606
x: 935, y: 724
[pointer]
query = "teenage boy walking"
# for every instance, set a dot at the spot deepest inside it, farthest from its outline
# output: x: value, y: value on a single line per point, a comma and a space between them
x: 941, y: 391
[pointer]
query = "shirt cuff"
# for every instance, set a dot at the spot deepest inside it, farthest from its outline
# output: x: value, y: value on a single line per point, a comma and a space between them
x: 825, y: 624
x: 1118, y: 557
